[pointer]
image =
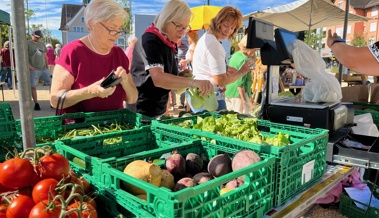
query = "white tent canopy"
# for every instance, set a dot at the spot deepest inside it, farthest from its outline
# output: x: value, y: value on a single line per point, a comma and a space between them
x: 305, y: 15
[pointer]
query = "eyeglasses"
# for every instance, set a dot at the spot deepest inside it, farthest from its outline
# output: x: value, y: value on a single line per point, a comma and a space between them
x: 180, y: 28
x: 113, y: 32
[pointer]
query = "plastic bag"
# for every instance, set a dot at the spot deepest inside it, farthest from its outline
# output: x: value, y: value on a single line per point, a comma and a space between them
x: 323, y: 87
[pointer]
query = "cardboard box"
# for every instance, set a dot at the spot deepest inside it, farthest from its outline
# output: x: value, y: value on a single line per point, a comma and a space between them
x: 355, y: 93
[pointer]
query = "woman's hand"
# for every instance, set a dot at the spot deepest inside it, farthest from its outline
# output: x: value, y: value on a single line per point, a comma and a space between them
x: 331, y: 38
x: 246, y: 67
x: 205, y: 87
x: 98, y: 91
x: 128, y: 85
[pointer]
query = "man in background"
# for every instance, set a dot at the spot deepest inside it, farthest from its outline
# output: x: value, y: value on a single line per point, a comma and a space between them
x: 37, y: 64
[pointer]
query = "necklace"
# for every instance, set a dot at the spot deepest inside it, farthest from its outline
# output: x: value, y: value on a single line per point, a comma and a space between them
x: 89, y: 39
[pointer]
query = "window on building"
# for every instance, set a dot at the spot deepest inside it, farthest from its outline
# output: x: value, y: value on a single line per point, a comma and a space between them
x: 340, y: 4
x: 82, y: 19
x: 372, y: 27
x: 348, y: 30
x: 121, y: 42
x: 70, y: 15
x: 78, y: 29
x: 374, y: 11
x: 339, y: 31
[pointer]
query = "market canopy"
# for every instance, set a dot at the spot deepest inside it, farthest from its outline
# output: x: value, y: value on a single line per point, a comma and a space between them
x: 305, y: 15
x: 5, y: 18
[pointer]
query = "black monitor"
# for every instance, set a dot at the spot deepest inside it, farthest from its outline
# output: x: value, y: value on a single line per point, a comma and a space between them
x: 259, y: 33
x: 284, y: 42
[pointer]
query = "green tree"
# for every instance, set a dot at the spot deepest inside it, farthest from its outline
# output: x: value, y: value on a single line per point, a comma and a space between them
x: 315, y: 40
x: 126, y: 4
x: 359, y: 40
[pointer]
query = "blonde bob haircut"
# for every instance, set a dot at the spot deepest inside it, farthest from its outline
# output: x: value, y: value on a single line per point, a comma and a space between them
x: 173, y: 10
x: 228, y: 14
x: 103, y: 10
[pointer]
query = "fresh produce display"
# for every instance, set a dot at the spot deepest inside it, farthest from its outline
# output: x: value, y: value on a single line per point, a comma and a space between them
x: 231, y: 126
x: 178, y: 174
x: 38, y: 183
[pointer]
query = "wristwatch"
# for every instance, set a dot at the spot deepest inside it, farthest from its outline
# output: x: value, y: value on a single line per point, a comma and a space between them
x: 337, y: 40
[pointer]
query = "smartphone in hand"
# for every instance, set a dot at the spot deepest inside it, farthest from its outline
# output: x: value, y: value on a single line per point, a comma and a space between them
x: 110, y: 80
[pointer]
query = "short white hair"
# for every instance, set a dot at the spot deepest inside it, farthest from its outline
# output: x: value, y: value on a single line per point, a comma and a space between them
x: 49, y: 45
x: 131, y: 39
x: 57, y: 45
x: 103, y: 10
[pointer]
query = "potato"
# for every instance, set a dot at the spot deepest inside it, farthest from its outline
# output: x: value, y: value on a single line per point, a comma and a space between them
x: 144, y: 171
x: 167, y: 180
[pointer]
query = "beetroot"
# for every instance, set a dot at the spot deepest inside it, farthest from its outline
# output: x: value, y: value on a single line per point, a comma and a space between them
x: 202, y: 177
x: 176, y: 165
x: 194, y: 163
x: 244, y: 158
x: 220, y: 165
x: 184, y: 183
x: 235, y: 183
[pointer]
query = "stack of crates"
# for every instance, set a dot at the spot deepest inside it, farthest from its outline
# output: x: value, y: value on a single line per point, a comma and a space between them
x: 48, y: 129
x: 8, y: 131
x: 253, y: 199
x: 298, y: 165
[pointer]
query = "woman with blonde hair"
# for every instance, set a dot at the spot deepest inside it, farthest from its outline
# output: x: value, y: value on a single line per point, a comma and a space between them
x: 86, y: 62
x: 209, y: 60
x: 238, y: 93
x: 155, y: 68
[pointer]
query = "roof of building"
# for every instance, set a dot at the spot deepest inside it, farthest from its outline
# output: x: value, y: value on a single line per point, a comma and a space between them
x: 362, y: 4
x: 68, y: 9
x: 372, y: 3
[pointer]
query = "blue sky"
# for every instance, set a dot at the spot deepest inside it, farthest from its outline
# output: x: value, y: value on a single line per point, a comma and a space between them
x: 48, y: 12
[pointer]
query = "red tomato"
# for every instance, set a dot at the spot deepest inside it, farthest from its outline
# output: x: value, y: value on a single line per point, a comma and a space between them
x: 44, y: 190
x: 20, y: 207
x: 85, y: 184
x: 16, y: 173
x: 3, y: 211
x: 41, y: 211
x: 86, y: 199
x: 88, y: 211
x: 54, y: 166
x: 71, y: 177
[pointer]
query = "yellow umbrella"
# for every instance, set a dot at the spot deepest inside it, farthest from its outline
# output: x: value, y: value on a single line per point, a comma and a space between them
x: 202, y: 16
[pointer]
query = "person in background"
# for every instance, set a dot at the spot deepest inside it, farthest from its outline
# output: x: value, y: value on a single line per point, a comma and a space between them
x: 129, y: 54
x: 50, y: 58
x: 86, y: 62
x: 238, y: 93
x: 209, y: 61
x: 37, y: 64
x: 129, y: 50
x: 57, y: 51
x: 155, y: 69
x: 6, y: 70
x: 367, y: 62
x: 182, y: 52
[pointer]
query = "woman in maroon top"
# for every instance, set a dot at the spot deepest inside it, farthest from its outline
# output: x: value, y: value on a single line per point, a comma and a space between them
x: 50, y: 57
x: 6, y: 71
x: 84, y: 64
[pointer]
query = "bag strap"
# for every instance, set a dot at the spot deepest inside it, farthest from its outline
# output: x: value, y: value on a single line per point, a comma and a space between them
x: 62, y: 97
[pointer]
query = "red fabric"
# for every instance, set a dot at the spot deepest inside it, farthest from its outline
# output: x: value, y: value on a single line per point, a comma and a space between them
x: 88, y: 67
x: 6, y: 57
x: 162, y: 36
x: 50, y: 56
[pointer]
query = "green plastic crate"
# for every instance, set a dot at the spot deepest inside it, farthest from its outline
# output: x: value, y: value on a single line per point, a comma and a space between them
x: 253, y: 199
x: 8, y: 130
x: 47, y: 129
x: 307, y: 146
x: 88, y: 153
x: 364, y: 108
x: 350, y: 209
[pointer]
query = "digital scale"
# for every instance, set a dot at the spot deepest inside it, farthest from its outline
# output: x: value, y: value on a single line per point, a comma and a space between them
x: 337, y: 117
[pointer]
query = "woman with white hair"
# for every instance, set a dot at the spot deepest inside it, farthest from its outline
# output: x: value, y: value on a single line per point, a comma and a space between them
x: 129, y: 50
x: 85, y: 63
x: 154, y: 67
x: 50, y: 58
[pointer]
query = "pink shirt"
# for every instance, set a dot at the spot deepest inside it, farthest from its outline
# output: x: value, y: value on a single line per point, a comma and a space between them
x: 88, y: 67
x: 50, y: 56
x: 129, y: 54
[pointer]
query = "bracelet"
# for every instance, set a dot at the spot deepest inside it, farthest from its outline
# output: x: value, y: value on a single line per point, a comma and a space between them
x: 193, y: 80
x: 337, y: 40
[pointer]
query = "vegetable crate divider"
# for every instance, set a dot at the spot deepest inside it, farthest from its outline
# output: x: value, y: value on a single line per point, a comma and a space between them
x: 8, y: 130
x: 350, y: 209
x: 253, y: 199
x: 48, y: 129
x: 364, y: 108
x: 307, y: 145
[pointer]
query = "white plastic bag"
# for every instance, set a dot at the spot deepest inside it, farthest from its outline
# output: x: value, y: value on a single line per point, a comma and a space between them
x: 323, y: 87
